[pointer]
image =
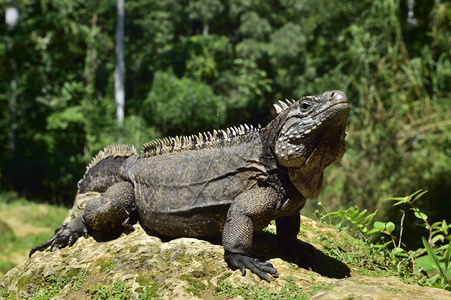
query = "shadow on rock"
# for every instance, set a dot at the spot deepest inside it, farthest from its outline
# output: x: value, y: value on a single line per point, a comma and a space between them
x: 265, y: 247
x: 107, y: 236
x: 302, y: 254
x: 165, y: 239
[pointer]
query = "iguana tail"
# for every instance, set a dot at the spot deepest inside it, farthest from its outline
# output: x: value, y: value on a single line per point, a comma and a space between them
x: 103, y: 171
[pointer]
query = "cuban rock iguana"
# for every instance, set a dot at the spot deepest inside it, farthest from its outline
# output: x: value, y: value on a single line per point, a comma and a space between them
x: 227, y: 183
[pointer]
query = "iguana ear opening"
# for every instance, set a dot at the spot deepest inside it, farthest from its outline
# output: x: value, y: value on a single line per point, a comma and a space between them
x: 308, y: 182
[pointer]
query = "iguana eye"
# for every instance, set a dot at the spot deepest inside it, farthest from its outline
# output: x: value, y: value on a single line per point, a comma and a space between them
x: 305, y: 105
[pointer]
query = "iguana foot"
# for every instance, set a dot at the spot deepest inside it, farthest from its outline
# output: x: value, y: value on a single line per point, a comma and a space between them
x: 65, y: 235
x: 259, y: 268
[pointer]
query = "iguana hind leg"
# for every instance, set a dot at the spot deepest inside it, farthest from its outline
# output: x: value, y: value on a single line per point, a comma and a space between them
x: 115, y: 211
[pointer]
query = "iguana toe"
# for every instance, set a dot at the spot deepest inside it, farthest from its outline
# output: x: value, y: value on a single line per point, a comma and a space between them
x: 65, y: 235
x: 41, y: 247
x: 243, y: 262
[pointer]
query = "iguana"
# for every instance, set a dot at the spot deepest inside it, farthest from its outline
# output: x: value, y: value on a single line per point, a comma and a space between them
x: 226, y: 183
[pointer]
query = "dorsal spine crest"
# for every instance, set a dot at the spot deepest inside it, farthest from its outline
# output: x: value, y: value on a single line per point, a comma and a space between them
x: 285, y: 104
x: 200, y: 141
x: 112, y: 150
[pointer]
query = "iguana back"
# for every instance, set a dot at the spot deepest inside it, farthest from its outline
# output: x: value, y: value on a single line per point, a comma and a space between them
x: 188, y: 192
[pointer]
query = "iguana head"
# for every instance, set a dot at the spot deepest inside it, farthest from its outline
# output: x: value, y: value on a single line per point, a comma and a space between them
x: 311, y: 137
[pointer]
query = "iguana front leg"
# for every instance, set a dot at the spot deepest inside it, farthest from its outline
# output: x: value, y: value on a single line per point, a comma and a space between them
x: 248, y: 210
x: 115, y: 211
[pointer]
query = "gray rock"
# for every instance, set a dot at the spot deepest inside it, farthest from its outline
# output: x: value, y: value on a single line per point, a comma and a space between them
x: 139, y: 265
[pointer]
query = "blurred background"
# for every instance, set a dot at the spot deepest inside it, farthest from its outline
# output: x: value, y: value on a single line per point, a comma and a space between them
x: 79, y: 75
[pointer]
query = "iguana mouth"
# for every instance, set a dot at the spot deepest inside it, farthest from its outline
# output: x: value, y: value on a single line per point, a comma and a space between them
x: 342, y: 104
x: 338, y: 99
x: 341, y: 98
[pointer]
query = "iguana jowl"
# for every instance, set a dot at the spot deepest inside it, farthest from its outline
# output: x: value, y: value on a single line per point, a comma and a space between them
x: 227, y: 183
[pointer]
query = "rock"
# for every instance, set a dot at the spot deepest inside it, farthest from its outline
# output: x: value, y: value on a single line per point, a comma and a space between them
x: 139, y: 265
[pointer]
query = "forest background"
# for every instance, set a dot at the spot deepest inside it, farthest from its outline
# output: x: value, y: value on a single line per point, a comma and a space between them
x: 199, y: 65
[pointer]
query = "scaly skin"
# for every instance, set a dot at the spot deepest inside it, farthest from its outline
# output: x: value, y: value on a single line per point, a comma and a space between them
x: 229, y: 183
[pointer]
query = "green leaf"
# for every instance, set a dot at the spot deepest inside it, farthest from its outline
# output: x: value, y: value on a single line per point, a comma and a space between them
x: 368, y: 219
x: 408, y: 199
x: 361, y: 214
x: 448, y: 274
x: 438, y: 237
x: 396, y: 198
x: 417, y: 195
x: 374, y: 230
x: 390, y: 227
x: 434, y: 279
x: 399, y: 200
x: 352, y: 212
x: 397, y: 250
x: 425, y: 263
x: 444, y: 225
x: 448, y: 257
x: 379, y: 225
x: 420, y: 215
x: 432, y: 257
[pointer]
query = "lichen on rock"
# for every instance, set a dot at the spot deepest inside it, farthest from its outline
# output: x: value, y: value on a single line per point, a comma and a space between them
x: 139, y: 265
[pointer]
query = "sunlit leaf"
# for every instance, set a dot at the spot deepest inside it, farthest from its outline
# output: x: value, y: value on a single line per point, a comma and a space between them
x: 390, y: 227
x: 420, y: 215
x: 432, y: 257
x: 379, y: 225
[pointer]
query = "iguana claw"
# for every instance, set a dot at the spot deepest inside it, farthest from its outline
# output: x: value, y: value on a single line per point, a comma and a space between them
x: 259, y: 268
x: 65, y: 235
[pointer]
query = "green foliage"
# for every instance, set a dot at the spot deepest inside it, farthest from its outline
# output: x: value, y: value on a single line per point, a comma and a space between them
x: 213, y: 64
x: 78, y: 280
x: 106, y: 266
x: 436, y: 263
x: 52, y: 284
x: 398, y: 123
x: 7, y: 235
x: 227, y: 290
x: 440, y: 263
x: 439, y: 257
x: 289, y: 291
x: 353, y: 215
x: 118, y: 291
x: 438, y: 231
x: 181, y: 105
x: 150, y: 287
x: 39, y: 222
x: 196, y: 285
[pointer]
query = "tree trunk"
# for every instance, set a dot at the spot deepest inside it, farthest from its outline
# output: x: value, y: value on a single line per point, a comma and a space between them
x: 12, y: 110
x: 91, y: 60
x: 119, y: 70
x: 11, y: 19
x: 411, y: 19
